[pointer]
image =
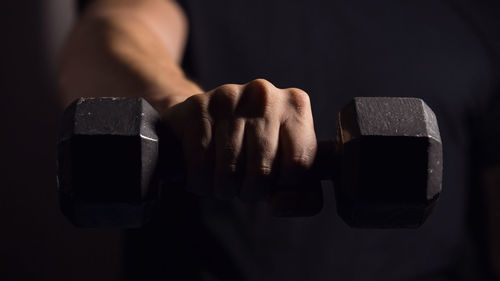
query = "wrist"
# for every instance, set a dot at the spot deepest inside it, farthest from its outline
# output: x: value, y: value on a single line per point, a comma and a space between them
x: 172, y: 92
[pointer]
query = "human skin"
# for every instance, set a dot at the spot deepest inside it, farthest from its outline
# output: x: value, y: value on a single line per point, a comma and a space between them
x: 238, y: 139
x: 241, y: 138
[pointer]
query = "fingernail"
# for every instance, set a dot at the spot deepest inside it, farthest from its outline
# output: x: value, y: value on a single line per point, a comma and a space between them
x: 255, y: 189
x: 226, y: 187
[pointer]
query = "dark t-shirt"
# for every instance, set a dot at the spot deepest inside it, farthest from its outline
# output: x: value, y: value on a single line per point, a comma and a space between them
x: 334, y: 50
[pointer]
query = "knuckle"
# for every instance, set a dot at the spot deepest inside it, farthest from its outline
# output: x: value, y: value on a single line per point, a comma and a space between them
x: 198, y: 122
x: 260, y: 84
x: 261, y: 93
x: 230, y: 154
x: 197, y: 103
x: 301, y: 161
x: 264, y: 170
x: 226, y: 95
x: 299, y: 100
x: 260, y: 87
x: 229, y: 162
x: 265, y: 161
x: 261, y: 159
x: 199, y: 107
x: 232, y: 167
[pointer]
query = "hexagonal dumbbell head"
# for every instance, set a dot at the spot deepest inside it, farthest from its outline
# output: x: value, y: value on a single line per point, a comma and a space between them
x: 108, y: 154
x: 390, y: 162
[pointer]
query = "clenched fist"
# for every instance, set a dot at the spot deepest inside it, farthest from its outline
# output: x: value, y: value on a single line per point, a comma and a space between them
x: 254, y: 141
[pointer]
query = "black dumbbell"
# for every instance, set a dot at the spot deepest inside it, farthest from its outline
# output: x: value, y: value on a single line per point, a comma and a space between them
x: 386, y: 162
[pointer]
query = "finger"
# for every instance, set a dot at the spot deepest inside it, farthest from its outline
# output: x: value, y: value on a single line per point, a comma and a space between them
x: 228, y: 146
x: 228, y: 138
x: 298, y: 143
x: 260, y: 105
x: 297, y: 192
x: 197, y: 144
x: 261, y: 144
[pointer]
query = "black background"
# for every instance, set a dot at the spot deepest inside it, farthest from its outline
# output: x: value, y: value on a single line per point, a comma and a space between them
x: 36, y: 241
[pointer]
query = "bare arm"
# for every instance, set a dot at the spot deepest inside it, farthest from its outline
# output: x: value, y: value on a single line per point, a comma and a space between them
x: 133, y: 47
x: 127, y: 48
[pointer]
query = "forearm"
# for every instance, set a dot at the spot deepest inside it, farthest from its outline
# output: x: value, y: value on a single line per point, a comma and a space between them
x: 127, y: 48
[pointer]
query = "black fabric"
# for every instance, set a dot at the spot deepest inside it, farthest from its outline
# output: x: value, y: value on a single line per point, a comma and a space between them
x: 82, y: 4
x: 334, y: 50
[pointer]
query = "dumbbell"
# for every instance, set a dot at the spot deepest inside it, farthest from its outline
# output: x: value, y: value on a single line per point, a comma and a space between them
x: 386, y: 162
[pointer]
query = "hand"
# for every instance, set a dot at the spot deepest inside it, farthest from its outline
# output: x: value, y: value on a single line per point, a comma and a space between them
x: 247, y: 140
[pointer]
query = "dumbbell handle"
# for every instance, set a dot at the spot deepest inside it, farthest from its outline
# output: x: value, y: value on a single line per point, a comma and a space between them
x: 326, y: 161
x: 388, y: 159
x: 324, y: 166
